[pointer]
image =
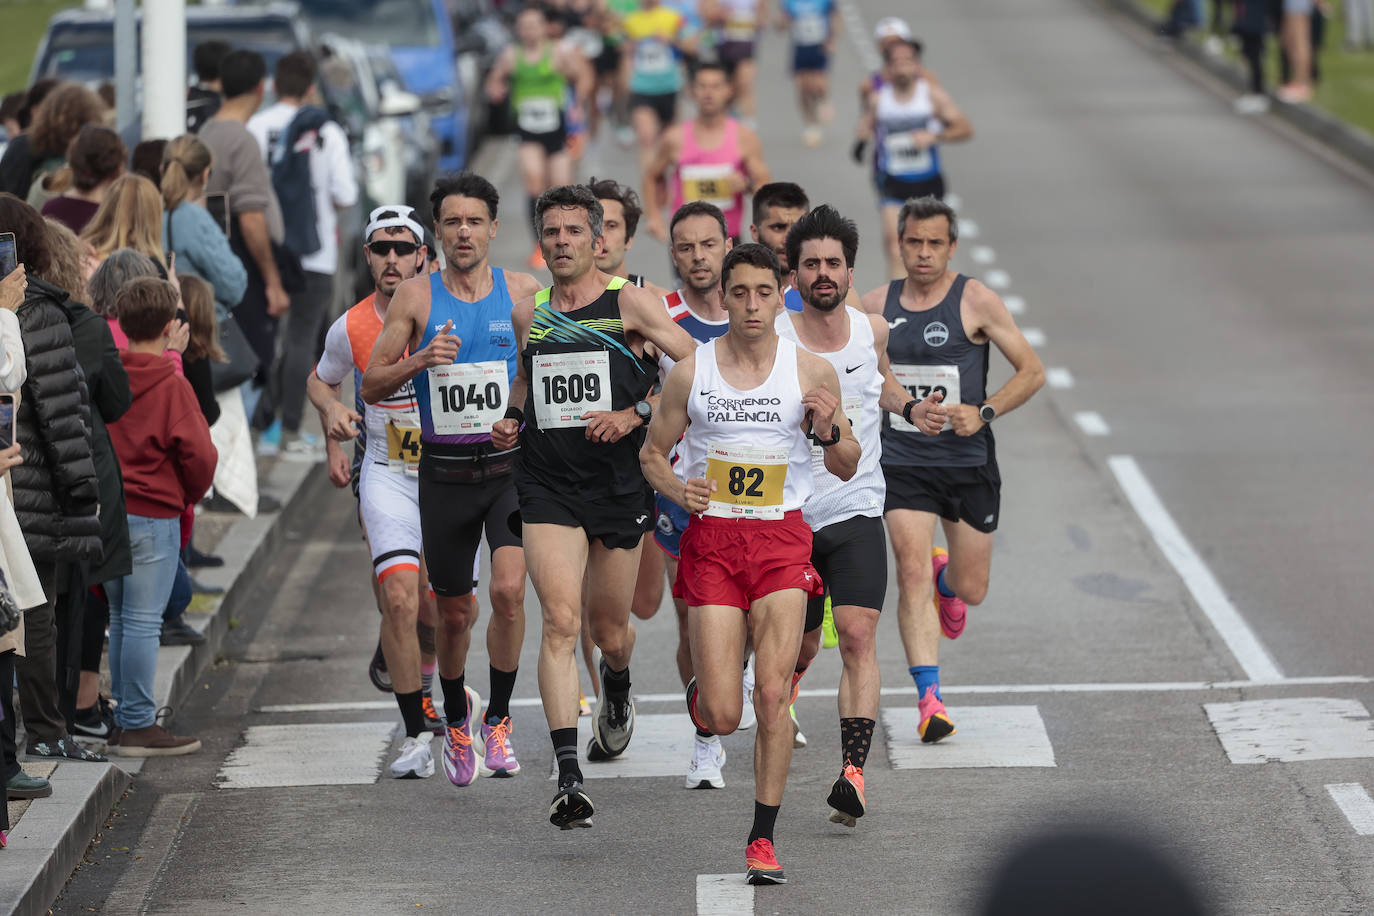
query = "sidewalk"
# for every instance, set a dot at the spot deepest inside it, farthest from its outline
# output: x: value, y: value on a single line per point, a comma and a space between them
x: 51, y: 836
x: 1352, y: 142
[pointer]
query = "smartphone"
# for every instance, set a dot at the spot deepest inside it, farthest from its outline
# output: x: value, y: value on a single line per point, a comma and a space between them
x: 182, y: 316
x: 9, y: 258
x: 6, y: 421
x: 218, y: 205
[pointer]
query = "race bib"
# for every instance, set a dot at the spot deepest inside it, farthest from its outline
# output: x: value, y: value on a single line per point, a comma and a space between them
x: 653, y: 56
x: 568, y: 385
x: 710, y: 183
x: 810, y: 29
x: 903, y: 157
x: 467, y: 398
x: 749, y: 481
x: 922, y: 381
x: 403, y: 444
x: 538, y: 116
x: 741, y: 29
x: 852, y: 406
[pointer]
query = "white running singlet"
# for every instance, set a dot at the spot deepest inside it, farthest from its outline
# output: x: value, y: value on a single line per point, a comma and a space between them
x: 749, y: 442
x: 861, y: 385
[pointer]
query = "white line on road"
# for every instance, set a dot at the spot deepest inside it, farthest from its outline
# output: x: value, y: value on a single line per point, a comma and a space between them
x: 968, y: 229
x: 997, y: 278
x: 1034, y: 336
x: 724, y: 895
x: 1253, y: 657
x: 1106, y: 687
x: 982, y: 254
x: 1015, y: 304
x: 1293, y: 729
x: 1059, y: 377
x: 1092, y: 424
x: 1350, y: 797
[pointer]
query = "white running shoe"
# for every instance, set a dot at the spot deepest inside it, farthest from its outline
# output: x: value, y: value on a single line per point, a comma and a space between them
x: 798, y: 739
x: 1251, y: 104
x: 708, y: 756
x: 747, y: 718
x: 415, y: 760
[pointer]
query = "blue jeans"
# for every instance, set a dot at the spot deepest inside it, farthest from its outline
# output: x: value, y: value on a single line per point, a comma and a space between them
x: 136, y: 605
x: 180, y: 598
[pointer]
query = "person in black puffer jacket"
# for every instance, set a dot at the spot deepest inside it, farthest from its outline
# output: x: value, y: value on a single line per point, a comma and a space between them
x: 56, y: 494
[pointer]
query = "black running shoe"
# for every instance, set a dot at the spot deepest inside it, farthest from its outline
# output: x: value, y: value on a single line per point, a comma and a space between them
x: 433, y: 721
x: 571, y: 807
x: 614, y: 722
x: 376, y: 670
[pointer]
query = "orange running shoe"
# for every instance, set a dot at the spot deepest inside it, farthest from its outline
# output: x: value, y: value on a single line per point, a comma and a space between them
x: 763, y: 863
x: 935, y: 722
x: 536, y: 261
x: 847, y: 796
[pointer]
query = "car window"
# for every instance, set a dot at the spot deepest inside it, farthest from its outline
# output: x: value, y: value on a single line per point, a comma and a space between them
x: 407, y: 23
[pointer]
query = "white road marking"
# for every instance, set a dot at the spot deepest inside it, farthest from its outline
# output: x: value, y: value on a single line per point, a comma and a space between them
x: 1249, y: 652
x: 1092, y: 424
x: 662, y: 746
x: 954, y: 200
x: 1350, y: 797
x: 724, y: 895
x: 337, y: 754
x: 982, y: 254
x: 990, y: 736
x: 997, y: 278
x: 1304, y: 728
x: 968, y: 229
x: 979, y: 689
x: 1034, y: 336
x: 1015, y: 304
x: 1059, y: 377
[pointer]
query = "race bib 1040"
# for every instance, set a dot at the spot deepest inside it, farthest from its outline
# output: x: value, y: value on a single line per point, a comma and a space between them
x: 467, y: 398
x: 568, y: 385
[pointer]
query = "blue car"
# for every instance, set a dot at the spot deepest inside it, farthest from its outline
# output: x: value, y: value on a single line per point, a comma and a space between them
x: 420, y: 36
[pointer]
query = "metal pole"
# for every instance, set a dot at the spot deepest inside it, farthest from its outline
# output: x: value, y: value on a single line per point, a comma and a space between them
x: 164, y: 69
x: 126, y: 62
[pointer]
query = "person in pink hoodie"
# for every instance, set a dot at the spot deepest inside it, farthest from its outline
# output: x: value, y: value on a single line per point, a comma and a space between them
x: 168, y: 461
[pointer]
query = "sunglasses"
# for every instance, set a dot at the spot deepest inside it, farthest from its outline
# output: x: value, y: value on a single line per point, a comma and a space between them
x: 383, y: 248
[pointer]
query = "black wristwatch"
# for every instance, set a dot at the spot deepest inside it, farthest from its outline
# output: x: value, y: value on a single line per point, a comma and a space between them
x: 987, y: 412
x: 906, y: 411
x: 834, y: 437
x: 645, y: 411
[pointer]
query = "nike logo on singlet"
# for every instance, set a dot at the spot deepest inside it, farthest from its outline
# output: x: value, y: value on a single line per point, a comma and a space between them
x: 849, y: 369
x: 893, y: 324
x: 706, y: 392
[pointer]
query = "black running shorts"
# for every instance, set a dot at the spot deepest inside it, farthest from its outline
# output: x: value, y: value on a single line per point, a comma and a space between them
x: 851, y: 557
x: 665, y: 105
x: 453, y: 515
x: 619, y: 522
x: 971, y: 495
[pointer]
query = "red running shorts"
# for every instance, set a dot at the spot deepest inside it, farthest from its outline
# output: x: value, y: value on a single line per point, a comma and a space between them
x: 734, y: 562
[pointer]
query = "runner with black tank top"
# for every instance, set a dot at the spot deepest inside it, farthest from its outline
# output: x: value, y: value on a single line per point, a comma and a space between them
x: 455, y: 325
x: 742, y: 407
x: 940, y: 326
x: 583, y: 379
x: 849, y: 548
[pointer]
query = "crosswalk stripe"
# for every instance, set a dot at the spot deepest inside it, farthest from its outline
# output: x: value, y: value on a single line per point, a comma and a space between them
x: 1354, y: 803
x: 1306, y: 728
x: 724, y: 895
x: 986, y: 736
x: 334, y: 754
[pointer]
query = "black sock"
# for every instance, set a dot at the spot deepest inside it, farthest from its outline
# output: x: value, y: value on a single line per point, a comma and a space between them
x: 502, y: 686
x: 765, y: 818
x: 455, y: 700
x: 412, y: 713
x: 855, y: 737
x: 617, y: 682
x: 703, y: 733
x: 565, y: 752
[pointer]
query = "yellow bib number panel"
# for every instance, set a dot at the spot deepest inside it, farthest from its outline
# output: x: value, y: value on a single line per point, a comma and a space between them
x: 403, y: 448
x: 749, y: 481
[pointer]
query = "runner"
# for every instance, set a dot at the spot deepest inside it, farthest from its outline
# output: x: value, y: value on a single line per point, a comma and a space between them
x: 455, y: 324
x: 813, y: 25
x: 907, y: 119
x: 620, y: 204
x: 712, y: 158
x: 736, y: 24
x: 777, y: 206
x: 610, y: 72
x: 657, y: 36
x: 889, y: 30
x: 535, y: 74
x: 941, y: 323
x: 583, y: 380
x: 746, y: 402
x: 387, y: 493
x: 849, y: 549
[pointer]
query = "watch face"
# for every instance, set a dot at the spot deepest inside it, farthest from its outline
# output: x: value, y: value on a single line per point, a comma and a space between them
x: 987, y: 412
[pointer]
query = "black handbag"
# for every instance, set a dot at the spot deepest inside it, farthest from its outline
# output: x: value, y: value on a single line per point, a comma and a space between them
x: 243, y: 360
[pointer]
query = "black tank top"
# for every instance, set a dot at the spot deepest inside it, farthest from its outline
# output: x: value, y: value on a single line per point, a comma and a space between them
x: 576, y: 362
x: 929, y: 351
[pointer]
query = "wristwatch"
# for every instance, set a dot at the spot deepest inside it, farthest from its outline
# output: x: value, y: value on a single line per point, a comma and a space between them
x: 987, y: 412
x: 645, y: 411
x: 834, y: 437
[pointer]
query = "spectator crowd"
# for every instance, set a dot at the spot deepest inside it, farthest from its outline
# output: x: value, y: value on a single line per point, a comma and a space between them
x: 159, y: 319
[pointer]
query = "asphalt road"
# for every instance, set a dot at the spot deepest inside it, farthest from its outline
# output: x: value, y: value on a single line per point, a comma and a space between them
x: 1204, y: 281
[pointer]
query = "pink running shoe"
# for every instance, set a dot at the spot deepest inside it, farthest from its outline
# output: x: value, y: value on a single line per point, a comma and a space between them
x: 952, y: 610
x: 500, y: 759
x: 935, y: 723
x: 460, y: 762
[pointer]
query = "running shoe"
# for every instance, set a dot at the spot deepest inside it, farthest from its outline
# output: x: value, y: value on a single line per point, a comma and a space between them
x: 813, y: 136
x: 708, y: 757
x: 433, y: 721
x: 571, y: 806
x: 748, y: 719
x: 499, y: 760
x: 692, y: 704
x: 415, y: 760
x: 953, y: 611
x: 830, y: 637
x: 376, y: 671
x: 583, y: 707
x: 763, y: 863
x: 798, y: 739
x: 847, y: 797
x: 935, y: 722
x: 614, y: 723
x: 460, y: 761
